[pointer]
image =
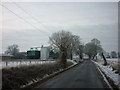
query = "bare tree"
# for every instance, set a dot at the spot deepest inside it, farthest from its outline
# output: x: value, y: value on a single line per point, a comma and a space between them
x: 62, y: 40
x: 89, y: 49
x: 97, y: 47
x: 12, y: 49
x: 75, y: 41
x: 80, y: 51
x: 93, y: 48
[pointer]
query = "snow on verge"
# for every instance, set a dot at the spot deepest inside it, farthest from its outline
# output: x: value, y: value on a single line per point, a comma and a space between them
x: 109, y: 73
x: 74, y: 63
x: 105, y: 78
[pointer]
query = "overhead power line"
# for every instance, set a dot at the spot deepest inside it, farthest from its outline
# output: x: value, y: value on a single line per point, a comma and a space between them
x: 17, y: 5
x: 23, y: 19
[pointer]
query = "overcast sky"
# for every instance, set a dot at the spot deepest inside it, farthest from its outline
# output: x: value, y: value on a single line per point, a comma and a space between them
x: 36, y: 21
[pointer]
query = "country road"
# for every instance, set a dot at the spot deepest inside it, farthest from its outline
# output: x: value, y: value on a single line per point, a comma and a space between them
x: 85, y: 75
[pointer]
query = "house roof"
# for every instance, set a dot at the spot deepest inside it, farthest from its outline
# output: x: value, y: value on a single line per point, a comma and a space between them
x: 5, y: 55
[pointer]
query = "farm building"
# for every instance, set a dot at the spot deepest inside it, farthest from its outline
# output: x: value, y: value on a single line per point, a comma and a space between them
x: 33, y: 54
x: 44, y: 53
x: 48, y: 53
x: 20, y: 55
x: 5, y: 56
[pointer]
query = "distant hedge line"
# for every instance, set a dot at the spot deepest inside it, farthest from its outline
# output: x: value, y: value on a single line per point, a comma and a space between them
x: 15, y: 77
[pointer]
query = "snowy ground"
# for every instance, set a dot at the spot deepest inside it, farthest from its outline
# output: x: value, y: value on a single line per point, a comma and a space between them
x: 74, y: 62
x: 109, y: 71
x: 110, y: 61
x: 17, y: 63
x: 7, y: 64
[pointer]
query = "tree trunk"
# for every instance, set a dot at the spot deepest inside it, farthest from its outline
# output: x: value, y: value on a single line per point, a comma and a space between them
x: 93, y: 57
x: 96, y: 58
x: 80, y: 56
x: 105, y: 61
x: 90, y: 57
x: 63, y: 58
x: 71, y: 57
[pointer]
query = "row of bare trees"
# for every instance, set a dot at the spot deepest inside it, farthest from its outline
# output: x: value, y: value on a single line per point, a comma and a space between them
x: 69, y: 44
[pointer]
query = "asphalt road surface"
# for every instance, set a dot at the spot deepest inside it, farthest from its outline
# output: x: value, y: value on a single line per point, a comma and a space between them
x: 85, y: 75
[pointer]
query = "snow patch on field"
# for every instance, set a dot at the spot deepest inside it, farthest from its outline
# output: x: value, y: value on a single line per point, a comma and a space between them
x: 108, y: 71
x: 8, y: 64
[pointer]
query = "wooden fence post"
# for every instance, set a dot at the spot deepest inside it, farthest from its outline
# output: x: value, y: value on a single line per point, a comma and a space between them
x: 6, y: 63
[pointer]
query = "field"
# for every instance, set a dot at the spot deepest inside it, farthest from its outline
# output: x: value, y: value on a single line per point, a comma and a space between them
x: 22, y: 62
